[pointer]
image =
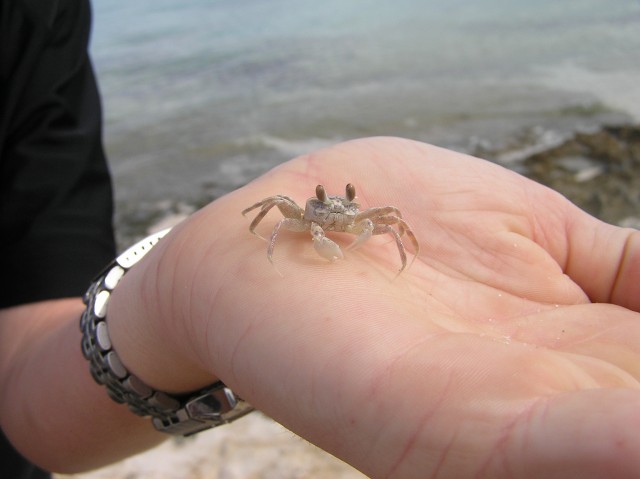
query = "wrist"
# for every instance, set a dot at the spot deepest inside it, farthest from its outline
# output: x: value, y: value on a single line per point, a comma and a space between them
x: 149, y: 339
x: 171, y: 410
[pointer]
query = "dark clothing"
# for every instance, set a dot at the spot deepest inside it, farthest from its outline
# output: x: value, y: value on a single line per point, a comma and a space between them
x: 55, y: 190
x: 14, y: 466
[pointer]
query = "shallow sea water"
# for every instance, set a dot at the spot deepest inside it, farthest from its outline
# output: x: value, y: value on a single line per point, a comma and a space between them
x: 202, y: 96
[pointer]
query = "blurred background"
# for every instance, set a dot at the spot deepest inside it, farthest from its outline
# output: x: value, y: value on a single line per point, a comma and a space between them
x: 201, y: 96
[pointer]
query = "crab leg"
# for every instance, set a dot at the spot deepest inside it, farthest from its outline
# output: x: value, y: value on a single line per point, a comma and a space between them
x: 286, y: 205
x: 378, y: 213
x: 412, y: 238
x: 382, y: 229
x: 291, y: 224
x: 266, y: 201
x: 272, y: 201
x: 265, y: 209
x: 403, y: 228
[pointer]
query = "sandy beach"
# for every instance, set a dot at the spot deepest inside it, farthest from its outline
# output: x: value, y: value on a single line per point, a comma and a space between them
x: 252, y: 448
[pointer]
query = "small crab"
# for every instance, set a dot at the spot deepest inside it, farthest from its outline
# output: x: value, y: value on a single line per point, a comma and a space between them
x: 334, y: 213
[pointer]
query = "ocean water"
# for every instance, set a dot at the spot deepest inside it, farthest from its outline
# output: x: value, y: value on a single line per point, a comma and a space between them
x: 201, y: 96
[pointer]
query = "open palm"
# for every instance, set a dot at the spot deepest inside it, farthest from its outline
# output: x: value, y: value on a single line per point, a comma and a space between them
x: 509, y: 348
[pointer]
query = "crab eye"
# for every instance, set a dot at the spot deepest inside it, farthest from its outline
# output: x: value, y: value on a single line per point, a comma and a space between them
x: 351, y: 192
x: 321, y: 194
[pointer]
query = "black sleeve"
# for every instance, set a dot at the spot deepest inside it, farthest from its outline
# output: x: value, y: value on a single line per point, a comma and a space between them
x: 55, y: 190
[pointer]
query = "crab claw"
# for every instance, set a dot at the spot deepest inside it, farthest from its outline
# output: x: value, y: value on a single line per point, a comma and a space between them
x: 323, y: 245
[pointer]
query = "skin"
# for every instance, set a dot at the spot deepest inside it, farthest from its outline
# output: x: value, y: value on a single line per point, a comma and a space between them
x: 509, y: 349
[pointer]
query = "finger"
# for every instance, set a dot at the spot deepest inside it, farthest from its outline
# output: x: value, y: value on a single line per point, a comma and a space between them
x: 600, y: 332
x: 604, y: 260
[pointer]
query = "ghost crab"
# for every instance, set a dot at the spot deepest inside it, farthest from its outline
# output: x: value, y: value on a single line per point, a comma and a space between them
x: 334, y: 213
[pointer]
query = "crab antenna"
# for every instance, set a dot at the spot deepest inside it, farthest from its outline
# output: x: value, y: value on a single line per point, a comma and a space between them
x: 321, y: 194
x: 351, y: 192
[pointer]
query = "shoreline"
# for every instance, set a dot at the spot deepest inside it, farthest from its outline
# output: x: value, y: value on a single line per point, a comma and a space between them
x: 596, y: 169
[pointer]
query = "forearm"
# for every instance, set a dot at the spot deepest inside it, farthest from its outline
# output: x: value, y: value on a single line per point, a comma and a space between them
x: 51, y: 409
x: 49, y: 394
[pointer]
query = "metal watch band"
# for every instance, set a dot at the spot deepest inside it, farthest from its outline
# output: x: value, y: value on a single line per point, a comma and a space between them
x: 174, y: 414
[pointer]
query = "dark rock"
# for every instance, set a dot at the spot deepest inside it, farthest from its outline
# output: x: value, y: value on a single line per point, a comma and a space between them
x: 599, y: 171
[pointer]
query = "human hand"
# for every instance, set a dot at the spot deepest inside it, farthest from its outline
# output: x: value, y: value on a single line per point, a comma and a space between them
x: 509, y: 348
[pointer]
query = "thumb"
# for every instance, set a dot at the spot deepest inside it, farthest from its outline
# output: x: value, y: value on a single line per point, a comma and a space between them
x: 604, y: 260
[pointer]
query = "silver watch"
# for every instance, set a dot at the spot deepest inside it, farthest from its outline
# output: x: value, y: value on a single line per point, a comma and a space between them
x: 184, y: 414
